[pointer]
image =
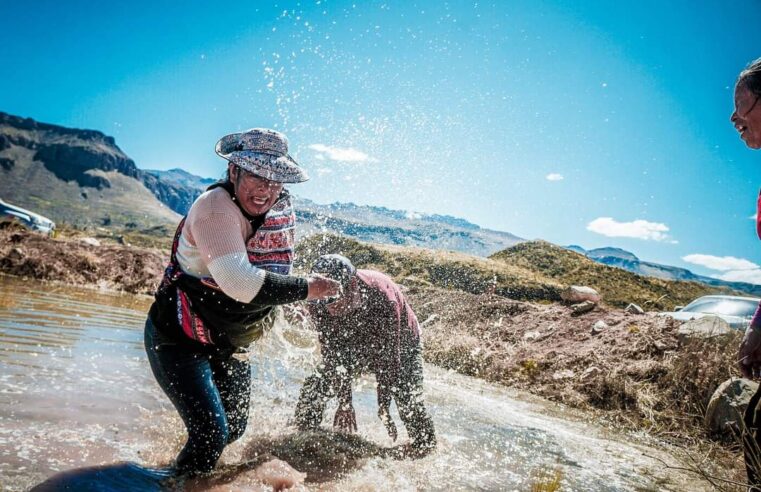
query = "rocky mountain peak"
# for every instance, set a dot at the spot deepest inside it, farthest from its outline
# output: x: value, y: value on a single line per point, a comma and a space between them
x: 72, y: 154
x: 68, y: 153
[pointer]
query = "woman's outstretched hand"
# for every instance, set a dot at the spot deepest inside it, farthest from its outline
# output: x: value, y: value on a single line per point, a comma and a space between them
x: 321, y: 287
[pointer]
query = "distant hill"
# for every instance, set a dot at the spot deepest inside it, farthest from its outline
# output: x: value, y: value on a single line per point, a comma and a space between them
x: 578, y: 249
x: 533, y: 270
x: 182, y: 178
x: 382, y: 225
x: 80, y: 177
x: 618, y: 286
x: 617, y: 253
x: 626, y: 260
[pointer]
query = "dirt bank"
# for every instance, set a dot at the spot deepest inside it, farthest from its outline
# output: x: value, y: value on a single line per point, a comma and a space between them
x: 629, y: 371
x: 74, y: 262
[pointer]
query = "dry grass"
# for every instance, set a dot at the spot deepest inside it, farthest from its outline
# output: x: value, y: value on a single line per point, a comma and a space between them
x: 618, y: 287
x: 633, y: 375
x: 534, y: 271
x: 115, y: 267
x: 547, y: 480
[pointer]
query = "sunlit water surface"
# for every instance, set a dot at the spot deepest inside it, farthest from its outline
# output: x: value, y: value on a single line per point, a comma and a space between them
x: 76, y: 390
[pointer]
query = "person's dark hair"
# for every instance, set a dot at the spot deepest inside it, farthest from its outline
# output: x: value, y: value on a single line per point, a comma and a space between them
x: 224, y: 180
x: 750, y: 77
x: 337, y: 267
x: 227, y: 178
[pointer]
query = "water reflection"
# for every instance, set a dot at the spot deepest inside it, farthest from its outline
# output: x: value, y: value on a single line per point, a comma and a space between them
x: 76, y: 391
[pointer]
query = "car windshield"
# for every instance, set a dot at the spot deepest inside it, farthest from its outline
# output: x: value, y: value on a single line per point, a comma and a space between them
x: 728, y: 307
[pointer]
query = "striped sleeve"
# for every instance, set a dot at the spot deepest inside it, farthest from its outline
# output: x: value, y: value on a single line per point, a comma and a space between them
x: 220, y: 241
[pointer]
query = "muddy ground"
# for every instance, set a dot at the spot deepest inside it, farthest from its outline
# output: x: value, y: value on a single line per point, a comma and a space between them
x: 629, y: 372
x: 75, y: 262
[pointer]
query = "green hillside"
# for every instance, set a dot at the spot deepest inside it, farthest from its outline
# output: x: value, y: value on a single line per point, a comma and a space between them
x: 79, y: 177
x: 618, y: 287
x: 535, y: 271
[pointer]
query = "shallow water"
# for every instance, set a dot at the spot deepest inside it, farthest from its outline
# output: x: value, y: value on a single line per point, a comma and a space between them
x: 76, y: 391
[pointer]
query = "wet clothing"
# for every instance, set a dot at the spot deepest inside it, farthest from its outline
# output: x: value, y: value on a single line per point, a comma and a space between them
x: 210, y: 389
x: 191, y: 307
x: 197, y: 329
x: 218, y: 241
x: 381, y: 336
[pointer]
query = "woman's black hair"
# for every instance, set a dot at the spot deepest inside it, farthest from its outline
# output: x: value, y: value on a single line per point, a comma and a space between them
x: 224, y: 181
x: 750, y: 77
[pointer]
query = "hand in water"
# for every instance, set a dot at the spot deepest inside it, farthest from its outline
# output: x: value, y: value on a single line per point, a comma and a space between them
x: 321, y: 287
x: 345, y: 419
x: 385, y: 417
x: 749, y: 356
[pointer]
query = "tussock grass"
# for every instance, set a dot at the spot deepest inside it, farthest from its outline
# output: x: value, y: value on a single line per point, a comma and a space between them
x: 533, y: 271
x: 618, y: 287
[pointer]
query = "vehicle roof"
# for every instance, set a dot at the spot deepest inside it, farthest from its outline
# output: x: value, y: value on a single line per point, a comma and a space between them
x: 23, y: 210
x: 743, y: 298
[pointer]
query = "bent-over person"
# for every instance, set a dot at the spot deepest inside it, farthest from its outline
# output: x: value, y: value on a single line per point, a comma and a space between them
x: 369, y: 328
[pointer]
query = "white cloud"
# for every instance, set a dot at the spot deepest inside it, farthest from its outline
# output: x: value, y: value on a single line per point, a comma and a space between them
x: 749, y: 276
x: 720, y: 263
x: 735, y: 269
x: 554, y: 177
x: 638, y: 229
x: 342, y: 154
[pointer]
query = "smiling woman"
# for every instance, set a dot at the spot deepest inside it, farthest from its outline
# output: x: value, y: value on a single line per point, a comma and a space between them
x: 747, y: 114
x: 747, y: 120
x: 229, y: 269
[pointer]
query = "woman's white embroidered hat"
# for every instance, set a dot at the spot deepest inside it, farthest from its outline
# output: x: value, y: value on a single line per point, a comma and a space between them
x: 262, y: 152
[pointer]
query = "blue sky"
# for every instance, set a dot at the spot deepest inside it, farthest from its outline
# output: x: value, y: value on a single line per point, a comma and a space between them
x: 593, y: 123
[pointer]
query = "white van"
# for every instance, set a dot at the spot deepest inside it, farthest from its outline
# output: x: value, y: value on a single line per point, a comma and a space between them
x: 33, y: 221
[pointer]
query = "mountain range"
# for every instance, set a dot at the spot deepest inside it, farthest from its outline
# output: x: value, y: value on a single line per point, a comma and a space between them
x: 627, y: 260
x: 83, y: 178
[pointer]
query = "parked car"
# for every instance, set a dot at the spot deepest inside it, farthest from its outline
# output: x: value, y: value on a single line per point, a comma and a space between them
x: 31, y: 220
x: 735, y: 310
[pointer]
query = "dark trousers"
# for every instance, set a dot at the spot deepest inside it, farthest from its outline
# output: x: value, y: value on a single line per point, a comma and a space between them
x: 209, y: 389
x: 407, y: 392
x: 752, y: 441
